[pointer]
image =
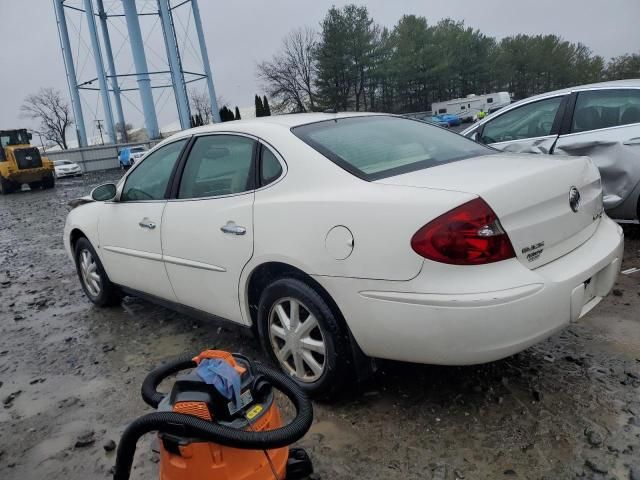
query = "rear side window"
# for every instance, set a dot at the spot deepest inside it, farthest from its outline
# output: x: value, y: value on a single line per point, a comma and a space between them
x: 605, y: 108
x: 529, y: 121
x: 374, y: 147
x: 270, y: 168
x: 218, y: 165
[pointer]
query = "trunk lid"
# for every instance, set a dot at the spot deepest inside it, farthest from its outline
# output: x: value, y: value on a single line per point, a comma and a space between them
x: 531, y: 196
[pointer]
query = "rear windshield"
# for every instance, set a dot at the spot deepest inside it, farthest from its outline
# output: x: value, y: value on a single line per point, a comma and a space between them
x: 381, y: 146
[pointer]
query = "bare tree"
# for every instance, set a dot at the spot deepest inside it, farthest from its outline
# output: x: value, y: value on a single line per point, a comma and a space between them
x: 290, y: 75
x: 200, y: 105
x: 122, y: 131
x: 52, y: 111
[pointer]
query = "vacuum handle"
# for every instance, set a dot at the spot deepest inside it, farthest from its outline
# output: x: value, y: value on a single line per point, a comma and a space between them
x: 150, y: 394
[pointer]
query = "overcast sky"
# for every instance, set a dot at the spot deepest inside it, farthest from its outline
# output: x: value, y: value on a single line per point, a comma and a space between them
x: 241, y: 33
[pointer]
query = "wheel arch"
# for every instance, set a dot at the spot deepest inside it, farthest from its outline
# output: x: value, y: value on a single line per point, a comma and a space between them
x: 267, y: 272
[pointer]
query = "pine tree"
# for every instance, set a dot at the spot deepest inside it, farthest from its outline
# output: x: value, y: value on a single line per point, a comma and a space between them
x: 265, y: 106
x: 259, y: 107
x: 237, y: 113
x: 226, y: 114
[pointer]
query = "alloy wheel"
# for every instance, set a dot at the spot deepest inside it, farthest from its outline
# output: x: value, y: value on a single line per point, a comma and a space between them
x: 297, y: 340
x: 89, y: 272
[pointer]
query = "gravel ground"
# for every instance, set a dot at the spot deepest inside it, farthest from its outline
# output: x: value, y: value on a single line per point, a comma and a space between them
x: 70, y: 377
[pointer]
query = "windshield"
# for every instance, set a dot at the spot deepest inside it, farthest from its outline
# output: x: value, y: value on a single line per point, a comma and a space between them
x: 14, y: 137
x: 381, y: 146
x: 137, y: 150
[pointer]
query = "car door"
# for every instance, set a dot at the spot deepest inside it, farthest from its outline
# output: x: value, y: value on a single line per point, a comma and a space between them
x: 532, y: 127
x: 129, y: 228
x: 604, y: 124
x: 207, y: 230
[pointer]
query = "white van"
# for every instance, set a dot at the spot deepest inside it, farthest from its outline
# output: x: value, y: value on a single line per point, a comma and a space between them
x: 468, y: 108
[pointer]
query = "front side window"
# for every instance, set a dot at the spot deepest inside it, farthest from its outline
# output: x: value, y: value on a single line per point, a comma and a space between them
x: 149, y: 180
x: 606, y: 108
x: 218, y: 165
x: 529, y: 121
x: 380, y: 146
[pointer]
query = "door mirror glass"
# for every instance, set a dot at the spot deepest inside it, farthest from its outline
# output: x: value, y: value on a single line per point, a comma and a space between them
x: 528, y: 121
x: 104, y: 192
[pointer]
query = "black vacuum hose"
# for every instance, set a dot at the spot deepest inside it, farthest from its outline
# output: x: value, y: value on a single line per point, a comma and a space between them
x: 190, y: 426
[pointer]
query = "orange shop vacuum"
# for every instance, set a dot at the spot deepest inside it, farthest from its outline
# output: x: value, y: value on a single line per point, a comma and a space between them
x: 220, y: 422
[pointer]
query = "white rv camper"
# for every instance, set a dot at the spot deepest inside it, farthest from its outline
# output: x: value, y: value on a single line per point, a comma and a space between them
x: 468, y: 108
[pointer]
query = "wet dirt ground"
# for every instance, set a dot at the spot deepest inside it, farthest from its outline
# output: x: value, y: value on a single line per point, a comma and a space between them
x: 70, y: 377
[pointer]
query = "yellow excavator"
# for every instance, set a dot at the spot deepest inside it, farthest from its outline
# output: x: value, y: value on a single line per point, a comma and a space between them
x: 21, y: 162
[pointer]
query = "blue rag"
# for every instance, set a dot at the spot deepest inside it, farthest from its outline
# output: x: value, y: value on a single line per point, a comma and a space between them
x: 222, y: 376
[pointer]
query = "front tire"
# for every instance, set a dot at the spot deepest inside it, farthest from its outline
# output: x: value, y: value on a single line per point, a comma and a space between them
x: 94, y: 280
x: 302, y: 335
x: 48, y: 182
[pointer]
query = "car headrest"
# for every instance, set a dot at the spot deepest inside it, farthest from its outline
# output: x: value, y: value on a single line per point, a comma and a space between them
x: 586, y: 118
x: 630, y: 115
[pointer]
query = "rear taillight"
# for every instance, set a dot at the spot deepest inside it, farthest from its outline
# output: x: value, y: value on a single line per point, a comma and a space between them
x: 470, y: 234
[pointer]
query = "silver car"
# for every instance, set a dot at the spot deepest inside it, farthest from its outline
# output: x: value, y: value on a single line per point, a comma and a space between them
x: 600, y: 120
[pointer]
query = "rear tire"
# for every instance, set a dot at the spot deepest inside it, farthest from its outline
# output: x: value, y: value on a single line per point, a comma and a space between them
x: 48, y: 182
x: 6, y: 186
x: 35, y: 185
x: 94, y: 280
x: 311, y: 345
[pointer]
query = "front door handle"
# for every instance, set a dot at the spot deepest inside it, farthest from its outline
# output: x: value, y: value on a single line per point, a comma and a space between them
x: 233, y: 229
x: 633, y: 141
x: 146, y: 223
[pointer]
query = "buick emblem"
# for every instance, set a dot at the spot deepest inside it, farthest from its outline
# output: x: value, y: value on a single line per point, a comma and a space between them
x: 574, y: 199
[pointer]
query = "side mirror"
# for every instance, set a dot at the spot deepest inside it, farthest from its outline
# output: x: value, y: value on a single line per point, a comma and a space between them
x: 30, y: 136
x: 104, y: 193
x: 474, y: 136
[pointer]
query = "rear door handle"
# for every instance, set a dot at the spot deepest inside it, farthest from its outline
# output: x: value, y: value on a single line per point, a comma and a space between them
x: 233, y: 229
x: 146, y: 223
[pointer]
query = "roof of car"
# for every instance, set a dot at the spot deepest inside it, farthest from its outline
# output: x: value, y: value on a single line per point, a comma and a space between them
x: 633, y: 82
x: 287, y: 121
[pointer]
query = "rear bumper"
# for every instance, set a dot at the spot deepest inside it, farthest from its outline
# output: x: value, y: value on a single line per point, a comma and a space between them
x: 30, y: 175
x: 466, y: 315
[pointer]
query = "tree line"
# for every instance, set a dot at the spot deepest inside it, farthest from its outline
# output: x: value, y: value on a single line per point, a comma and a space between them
x: 353, y: 63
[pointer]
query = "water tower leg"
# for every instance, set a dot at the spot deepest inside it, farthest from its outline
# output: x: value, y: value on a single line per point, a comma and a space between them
x: 142, y: 71
x: 177, y: 77
x: 205, y: 60
x: 102, y: 77
x: 115, y: 88
x: 72, y: 80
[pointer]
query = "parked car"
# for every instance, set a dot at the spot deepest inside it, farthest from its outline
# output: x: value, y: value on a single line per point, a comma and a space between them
x: 66, y: 168
x: 600, y: 120
x: 341, y: 236
x: 429, y: 119
x: 127, y: 156
x: 449, y: 119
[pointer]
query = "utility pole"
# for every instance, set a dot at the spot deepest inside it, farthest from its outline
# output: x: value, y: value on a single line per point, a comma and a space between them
x: 99, y: 125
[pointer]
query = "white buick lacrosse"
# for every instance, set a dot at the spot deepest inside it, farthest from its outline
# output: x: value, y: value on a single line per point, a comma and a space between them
x: 338, y: 237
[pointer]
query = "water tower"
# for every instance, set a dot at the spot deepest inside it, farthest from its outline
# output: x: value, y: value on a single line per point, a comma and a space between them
x: 155, y: 61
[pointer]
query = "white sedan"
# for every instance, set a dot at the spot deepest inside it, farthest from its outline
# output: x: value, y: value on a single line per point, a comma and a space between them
x: 66, y: 168
x: 339, y: 237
